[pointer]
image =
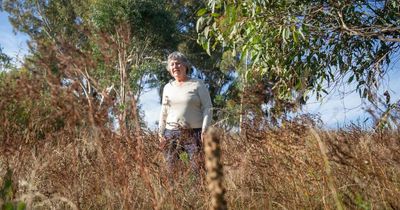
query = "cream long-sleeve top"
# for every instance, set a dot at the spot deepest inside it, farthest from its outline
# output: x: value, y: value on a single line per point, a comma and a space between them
x: 186, y: 105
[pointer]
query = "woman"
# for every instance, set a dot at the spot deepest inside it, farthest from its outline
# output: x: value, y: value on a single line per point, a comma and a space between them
x: 185, y: 113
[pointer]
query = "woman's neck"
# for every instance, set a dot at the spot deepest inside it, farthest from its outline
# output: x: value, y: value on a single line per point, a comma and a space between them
x: 181, y: 80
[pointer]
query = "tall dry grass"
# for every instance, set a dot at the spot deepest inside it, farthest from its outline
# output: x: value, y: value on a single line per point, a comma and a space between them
x: 64, y: 157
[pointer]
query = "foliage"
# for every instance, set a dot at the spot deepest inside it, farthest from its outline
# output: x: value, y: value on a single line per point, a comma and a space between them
x: 300, y: 47
x: 149, y: 21
x: 7, y: 194
x: 151, y: 29
x: 4, y: 60
x: 46, y: 19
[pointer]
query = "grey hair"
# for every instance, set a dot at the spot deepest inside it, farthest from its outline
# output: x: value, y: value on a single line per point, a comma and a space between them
x: 181, y: 58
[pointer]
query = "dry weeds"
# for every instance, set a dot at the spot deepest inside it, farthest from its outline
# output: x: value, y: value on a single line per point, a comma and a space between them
x: 60, y: 159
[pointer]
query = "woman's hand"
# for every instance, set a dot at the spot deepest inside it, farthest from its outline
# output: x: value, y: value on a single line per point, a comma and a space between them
x: 161, y: 138
x: 163, y: 142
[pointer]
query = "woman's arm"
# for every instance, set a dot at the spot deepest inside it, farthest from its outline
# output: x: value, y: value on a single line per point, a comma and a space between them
x: 206, y: 105
x: 163, y: 113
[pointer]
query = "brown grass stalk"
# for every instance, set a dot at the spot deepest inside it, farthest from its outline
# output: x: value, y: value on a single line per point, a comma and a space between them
x: 214, y: 170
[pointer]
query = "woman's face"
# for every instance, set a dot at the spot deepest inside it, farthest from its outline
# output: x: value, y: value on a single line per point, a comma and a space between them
x: 177, y: 69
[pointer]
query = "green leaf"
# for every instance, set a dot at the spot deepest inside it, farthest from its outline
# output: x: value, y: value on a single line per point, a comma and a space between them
x: 201, y: 12
x: 360, y: 83
x: 207, y: 46
x: 199, y: 24
x: 284, y: 35
x: 21, y: 206
x: 298, y: 84
x: 206, y: 31
x: 295, y: 37
x: 287, y: 33
x: 215, y: 15
x: 350, y: 79
x: 184, y: 156
x: 365, y: 92
x: 247, y: 76
x: 7, y: 206
x: 231, y: 10
x: 301, y: 33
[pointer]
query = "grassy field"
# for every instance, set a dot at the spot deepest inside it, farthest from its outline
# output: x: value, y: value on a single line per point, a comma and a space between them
x: 57, y: 152
x: 296, y: 166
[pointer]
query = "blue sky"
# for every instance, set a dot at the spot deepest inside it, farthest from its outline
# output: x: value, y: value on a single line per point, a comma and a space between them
x: 14, y: 45
x: 335, y: 109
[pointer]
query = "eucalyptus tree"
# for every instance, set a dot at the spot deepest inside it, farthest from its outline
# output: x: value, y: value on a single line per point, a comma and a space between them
x: 296, y: 47
x: 146, y: 34
x: 97, y: 44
